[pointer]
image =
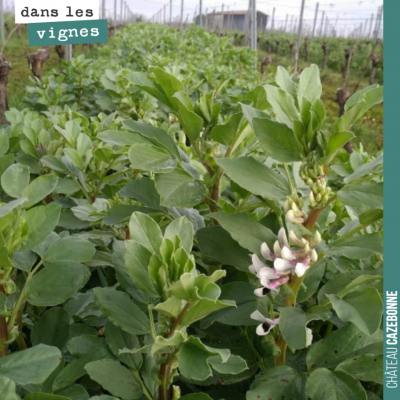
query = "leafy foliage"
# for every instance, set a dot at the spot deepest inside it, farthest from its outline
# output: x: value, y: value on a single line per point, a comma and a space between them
x: 140, y: 197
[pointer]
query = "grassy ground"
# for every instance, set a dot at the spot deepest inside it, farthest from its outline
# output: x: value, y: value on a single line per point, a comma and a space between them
x: 369, y: 129
x: 16, y: 52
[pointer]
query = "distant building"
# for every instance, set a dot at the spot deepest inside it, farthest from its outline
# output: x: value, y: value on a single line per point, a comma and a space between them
x: 233, y: 20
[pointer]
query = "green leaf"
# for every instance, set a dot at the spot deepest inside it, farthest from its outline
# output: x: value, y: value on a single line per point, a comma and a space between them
x: 196, y: 396
x: 71, y: 248
x: 169, y: 83
x: 363, y: 308
x: 358, y: 108
x: 118, y: 340
x: 191, y: 123
x: 194, y: 359
x: 282, y: 105
x: 15, y: 179
x: 74, y: 157
x: 121, y: 138
x: 115, y: 378
x: 31, y: 366
x: 45, y: 396
x: 151, y: 158
x: 8, y: 389
x: 327, y: 385
x: 357, y: 247
x: 182, y: 228
x: 217, y: 243
x: 225, y: 133
x: 278, y: 383
x: 156, y: 135
x: 75, y: 392
x: 145, y: 231
x: 137, y: 260
x: 311, y: 281
x: 284, y: 81
x: 76, y: 368
x: 368, y: 195
x: 248, y: 233
x: 366, y: 367
x: 277, y: 140
x: 342, y: 344
x: 56, y: 283
x: 41, y: 222
x: 38, y: 189
x: 122, y: 311
x: 242, y: 293
x: 143, y: 81
x: 310, y: 84
x: 255, y: 177
x: 4, y: 143
x: 52, y: 328
x: 336, y: 142
x: 234, y: 365
x: 179, y: 189
x: 374, y: 166
x: 144, y: 191
x: 292, y: 324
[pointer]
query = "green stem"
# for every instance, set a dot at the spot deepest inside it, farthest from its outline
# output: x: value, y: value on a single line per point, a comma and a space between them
x: 3, y: 332
x: 83, y: 190
x: 256, y: 353
x: 243, y: 203
x: 21, y: 299
x: 163, y: 391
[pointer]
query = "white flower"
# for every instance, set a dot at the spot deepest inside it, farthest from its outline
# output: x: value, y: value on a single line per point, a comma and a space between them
x: 266, y: 324
x: 317, y: 239
x: 301, y: 269
x: 282, y: 265
x: 267, y: 253
x: 268, y: 273
x: 314, y: 256
x: 277, y: 249
x: 257, y: 263
x: 294, y: 239
x: 309, y: 337
x: 291, y: 217
x: 283, y: 238
x: 287, y: 254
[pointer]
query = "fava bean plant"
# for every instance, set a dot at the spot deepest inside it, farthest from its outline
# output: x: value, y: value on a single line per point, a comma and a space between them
x: 198, y: 233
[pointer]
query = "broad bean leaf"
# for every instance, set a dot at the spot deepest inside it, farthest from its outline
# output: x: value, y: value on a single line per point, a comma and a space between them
x: 122, y: 311
x: 256, y: 177
x: 56, y: 283
x: 15, y: 179
x: 30, y: 366
x: 334, y: 385
x: 41, y: 222
x: 366, y: 367
x: 115, y: 378
x: 277, y: 383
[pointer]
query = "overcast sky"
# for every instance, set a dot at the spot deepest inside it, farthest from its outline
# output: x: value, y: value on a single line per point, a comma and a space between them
x: 341, y: 13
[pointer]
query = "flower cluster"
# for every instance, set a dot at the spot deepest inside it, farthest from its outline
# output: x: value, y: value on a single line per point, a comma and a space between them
x: 286, y: 260
x: 313, y: 175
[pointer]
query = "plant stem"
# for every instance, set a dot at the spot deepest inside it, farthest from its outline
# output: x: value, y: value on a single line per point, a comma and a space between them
x: 165, y: 369
x: 21, y: 299
x: 295, y: 285
x: 3, y: 331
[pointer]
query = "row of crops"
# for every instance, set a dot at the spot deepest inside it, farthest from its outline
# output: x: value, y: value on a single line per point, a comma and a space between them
x: 174, y: 225
x: 325, y: 52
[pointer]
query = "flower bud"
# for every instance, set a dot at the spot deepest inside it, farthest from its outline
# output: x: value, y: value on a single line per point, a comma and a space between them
x: 282, y: 237
x: 266, y: 252
x: 287, y: 254
x: 312, y: 199
x: 317, y: 239
x: 277, y: 249
x: 314, y: 256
